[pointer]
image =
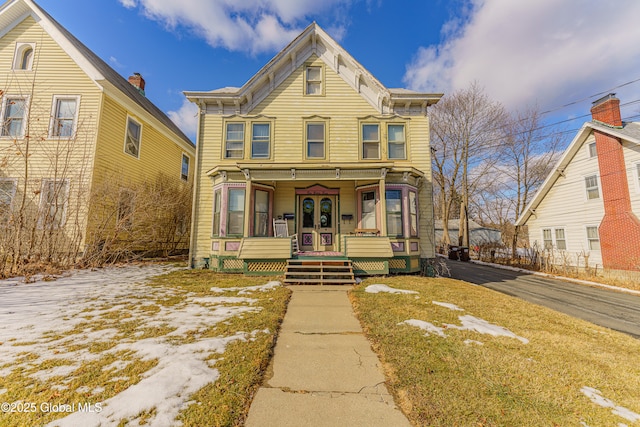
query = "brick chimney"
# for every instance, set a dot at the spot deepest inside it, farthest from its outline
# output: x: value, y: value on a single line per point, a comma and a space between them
x: 137, y: 81
x: 620, y: 227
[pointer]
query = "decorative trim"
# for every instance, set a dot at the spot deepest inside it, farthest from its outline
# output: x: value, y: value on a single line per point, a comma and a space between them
x: 317, y: 190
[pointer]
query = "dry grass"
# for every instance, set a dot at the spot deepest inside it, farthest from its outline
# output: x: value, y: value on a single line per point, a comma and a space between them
x: 222, y: 403
x: 445, y: 382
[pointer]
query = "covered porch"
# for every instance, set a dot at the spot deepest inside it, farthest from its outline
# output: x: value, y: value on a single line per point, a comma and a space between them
x: 366, y: 215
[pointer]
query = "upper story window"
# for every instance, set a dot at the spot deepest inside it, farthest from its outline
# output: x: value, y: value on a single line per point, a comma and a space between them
x: 64, y: 117
x: 591, y: 185
x: 313, y: 80
x: 14, y: 116
x: 591, y: 147
x: 184, y: 172
x: 234, y: 141
x: 132, y: 138
x: 397, y: 148
x: 23, y: 56
x: 260, y: 140
x: 7, y: 193
x: 315, y: 141
x: 370, y: 141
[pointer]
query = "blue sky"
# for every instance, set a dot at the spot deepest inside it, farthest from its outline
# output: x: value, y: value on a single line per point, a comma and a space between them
x: 545, y: 52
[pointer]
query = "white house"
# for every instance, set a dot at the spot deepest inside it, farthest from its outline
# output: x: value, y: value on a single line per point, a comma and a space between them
x: 587, y: 209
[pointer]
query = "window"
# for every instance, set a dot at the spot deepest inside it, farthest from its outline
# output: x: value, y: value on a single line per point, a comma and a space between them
x: 561, y: 242
x: 591, y: 185
x: 64, y: 117
x: 53, y: 203
x: 368, y: 219
x: 261, y: 214
x: 370, y: 141
x: 14, y: 117
x: 23, y: 56
x: 546, y: 238
x: 235, y: 217
x: 7, y: 193
x: 313, y: 76
x: 638, y: 174
x: 315, y: 140
x: 217, y: 204
x: 126, y: 205
x: 234, y: 142
x: 413, y: 213
x: 184, y: 173
x: 132, y: 139
x: 260, y: 141
x: 394, y: 212
x: 593, y: 238
x: 397, y: 145
x: 592, y: 150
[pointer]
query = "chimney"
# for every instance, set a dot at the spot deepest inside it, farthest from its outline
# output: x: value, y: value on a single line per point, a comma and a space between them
x: 138, y: 82
x: 607, y: 110
x: 620, y: 228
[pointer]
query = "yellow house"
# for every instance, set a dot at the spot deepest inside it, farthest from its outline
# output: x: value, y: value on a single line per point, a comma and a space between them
x: 72, y: 125
x: 313, y: 138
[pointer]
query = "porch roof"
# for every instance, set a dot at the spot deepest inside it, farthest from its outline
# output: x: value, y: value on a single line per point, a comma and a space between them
x: 313, y: 171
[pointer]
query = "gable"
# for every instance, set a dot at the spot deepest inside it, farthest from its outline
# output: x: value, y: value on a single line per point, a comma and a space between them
x: 314, y: 43
x: 629, y: 132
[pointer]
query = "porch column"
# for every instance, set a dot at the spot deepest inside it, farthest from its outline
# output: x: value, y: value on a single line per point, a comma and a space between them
x: 383, y: 207
x: 248, y: 213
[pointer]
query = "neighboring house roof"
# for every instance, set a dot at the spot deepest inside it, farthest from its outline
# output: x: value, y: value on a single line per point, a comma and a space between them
x: 314, y: 40
x: 628, y: 132
x: 15, y: 11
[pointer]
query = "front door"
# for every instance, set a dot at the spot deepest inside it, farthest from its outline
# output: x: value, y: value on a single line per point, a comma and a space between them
x: 317, y: 222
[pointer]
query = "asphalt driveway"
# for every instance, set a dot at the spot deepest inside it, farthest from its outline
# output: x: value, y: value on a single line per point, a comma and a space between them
x: 612, y: 309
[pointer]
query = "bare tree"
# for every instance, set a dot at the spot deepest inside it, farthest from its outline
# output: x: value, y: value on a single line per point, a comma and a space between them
x: 527, y: 153
x: 467, y: 128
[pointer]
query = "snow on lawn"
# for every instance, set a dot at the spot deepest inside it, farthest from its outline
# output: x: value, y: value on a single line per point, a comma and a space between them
x: 44, y: 319
x: 596, y: 397
x: 375, y: 289
x: 469, y: 323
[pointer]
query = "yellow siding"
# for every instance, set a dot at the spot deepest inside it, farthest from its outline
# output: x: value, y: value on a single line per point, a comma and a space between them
x: 265, y: 248
x: 53, y: 73
x: 287, y: 108
x: 158, y: 153
x: 367, y: 247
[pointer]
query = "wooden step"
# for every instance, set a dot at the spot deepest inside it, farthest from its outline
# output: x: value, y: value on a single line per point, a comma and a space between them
x: 320, y: 272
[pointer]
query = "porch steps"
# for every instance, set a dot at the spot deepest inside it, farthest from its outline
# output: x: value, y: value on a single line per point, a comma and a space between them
x: 319, y: 272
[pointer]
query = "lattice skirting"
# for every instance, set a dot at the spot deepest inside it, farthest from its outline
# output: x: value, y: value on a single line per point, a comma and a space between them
x: 266, y: 266
x: 232, y: 264
x: 398, y: 263
x: 369, y: 266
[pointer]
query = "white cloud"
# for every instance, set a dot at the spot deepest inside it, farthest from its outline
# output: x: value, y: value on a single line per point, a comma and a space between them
x: 522, y: 52
x: 240, y: 25
x: 186, y: 118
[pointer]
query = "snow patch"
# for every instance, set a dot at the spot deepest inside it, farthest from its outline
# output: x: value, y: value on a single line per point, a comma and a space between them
x: 244, y: 290
x: 596, y: 397
x: 447, y: 305
x: 429, y: 327
x: 375, y: 289
x: 469, y: 323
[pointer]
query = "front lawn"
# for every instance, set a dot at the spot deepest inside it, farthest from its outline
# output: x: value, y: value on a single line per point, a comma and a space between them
x: 457, y: 354
x: 114, y: 347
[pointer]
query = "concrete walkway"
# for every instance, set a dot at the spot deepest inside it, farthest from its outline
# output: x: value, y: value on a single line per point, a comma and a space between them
x: 324, y: 372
